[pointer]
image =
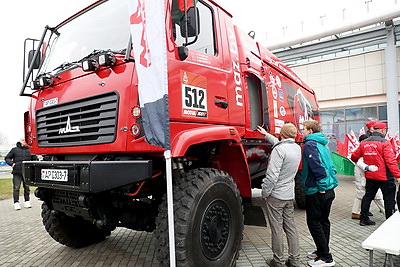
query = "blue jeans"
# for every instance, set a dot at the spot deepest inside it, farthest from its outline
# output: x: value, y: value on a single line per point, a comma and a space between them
x: 17, y: 180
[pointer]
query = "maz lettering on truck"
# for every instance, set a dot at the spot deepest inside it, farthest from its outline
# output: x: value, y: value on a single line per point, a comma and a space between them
x: 194, y: 95
x: 236, y: 68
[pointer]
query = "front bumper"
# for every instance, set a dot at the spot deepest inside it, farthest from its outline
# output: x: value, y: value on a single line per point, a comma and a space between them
x: 88, y: 176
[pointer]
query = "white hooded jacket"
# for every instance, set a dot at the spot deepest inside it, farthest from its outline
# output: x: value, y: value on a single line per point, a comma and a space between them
x: 359, y: 180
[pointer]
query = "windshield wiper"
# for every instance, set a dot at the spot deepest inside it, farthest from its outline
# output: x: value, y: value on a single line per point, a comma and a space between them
x: 97, y: 52
x: 66, y: 65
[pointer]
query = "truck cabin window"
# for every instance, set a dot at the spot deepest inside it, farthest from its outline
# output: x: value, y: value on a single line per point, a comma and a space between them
x: 89, y: 32
x: 206, y: 40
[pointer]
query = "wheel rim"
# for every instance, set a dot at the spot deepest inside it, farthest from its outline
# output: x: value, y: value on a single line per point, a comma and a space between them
x: 215, y: 229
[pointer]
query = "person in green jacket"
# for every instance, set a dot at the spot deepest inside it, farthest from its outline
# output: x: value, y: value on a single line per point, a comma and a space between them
x: 318, y: 181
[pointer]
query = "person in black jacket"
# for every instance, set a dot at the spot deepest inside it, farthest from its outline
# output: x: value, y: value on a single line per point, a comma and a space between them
x: 14, y: 158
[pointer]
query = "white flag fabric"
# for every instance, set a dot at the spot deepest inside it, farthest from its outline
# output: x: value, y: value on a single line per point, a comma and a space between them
x: 396, y: 144
x: 352, y: 144
x: 362, y: 132
x: 147, y: 19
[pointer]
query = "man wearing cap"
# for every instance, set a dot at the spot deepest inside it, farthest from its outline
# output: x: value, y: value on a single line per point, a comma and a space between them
x: 376, y: 150
x: 370, y: 127
x: 278, y: 192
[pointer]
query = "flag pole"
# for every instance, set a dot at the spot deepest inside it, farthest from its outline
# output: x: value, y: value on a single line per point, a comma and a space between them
x: 170, y: 204
x: 147, y: 19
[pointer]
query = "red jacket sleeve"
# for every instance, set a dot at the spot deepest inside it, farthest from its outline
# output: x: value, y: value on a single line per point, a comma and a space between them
x: 356, y: 154
x: 390, y: 159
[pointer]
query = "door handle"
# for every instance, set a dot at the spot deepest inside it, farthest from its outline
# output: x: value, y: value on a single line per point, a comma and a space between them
x: 220, y: 103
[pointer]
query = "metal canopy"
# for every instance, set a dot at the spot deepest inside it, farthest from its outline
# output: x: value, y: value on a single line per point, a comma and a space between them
x: 355, y: 40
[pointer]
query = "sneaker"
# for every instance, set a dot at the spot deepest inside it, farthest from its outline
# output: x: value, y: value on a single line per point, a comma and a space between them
x: 366, y: 222
x: 320, y: 262
x: 27, y: 204
x: 271, y: 263
x: 17, y: 206
x: 312, y: 255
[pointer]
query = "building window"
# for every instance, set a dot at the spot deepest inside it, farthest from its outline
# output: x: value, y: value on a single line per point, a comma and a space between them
x: 336, y: 123
x: 383, y: 113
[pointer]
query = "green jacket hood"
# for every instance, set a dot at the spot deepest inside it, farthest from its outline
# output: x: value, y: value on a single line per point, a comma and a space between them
x: 317, y: 137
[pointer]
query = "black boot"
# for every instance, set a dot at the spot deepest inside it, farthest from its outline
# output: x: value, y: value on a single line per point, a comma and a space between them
x: 366, y: 222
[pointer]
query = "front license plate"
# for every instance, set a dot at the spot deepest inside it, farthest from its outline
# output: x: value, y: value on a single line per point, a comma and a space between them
x: 55, y: 175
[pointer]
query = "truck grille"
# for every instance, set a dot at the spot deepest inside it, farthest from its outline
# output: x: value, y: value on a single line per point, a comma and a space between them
x: 87, y: 121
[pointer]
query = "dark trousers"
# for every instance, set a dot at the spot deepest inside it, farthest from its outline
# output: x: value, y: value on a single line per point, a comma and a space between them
x: 17, y: 180
x: 318, y: 208
x: 388, y: 188
x: 398, y: 200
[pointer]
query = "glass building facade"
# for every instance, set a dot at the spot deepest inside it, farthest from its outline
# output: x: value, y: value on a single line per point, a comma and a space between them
x: 337, y: 122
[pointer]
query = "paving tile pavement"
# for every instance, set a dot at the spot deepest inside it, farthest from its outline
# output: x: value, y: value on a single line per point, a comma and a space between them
x: 25, y: 242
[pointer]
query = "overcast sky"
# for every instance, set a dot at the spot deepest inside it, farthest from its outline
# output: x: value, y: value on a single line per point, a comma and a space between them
x: 271, y: 16
x: 21, y: 19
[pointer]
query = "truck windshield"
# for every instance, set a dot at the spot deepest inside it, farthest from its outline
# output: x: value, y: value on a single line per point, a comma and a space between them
x: 104, y: 27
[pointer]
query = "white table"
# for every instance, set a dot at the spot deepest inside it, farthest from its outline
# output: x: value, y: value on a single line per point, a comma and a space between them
x: 386, y: 238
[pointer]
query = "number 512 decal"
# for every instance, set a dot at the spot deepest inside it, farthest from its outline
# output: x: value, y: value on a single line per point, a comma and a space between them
x: 194, y: 97
x: 194, y: 101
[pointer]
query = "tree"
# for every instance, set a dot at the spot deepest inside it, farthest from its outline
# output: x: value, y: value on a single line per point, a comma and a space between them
x: 3, y: 139
x: 4, y: 145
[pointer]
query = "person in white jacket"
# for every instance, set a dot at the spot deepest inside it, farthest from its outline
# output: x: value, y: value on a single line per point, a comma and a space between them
x: 278, y: 192
x: 359, y: 181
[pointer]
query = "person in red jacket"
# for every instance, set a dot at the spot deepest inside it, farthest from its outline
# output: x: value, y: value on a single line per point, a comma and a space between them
x: 378, y: 151
x: 370, y: 127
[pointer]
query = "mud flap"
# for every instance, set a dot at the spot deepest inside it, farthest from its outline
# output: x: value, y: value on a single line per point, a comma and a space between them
x: 253, y: 210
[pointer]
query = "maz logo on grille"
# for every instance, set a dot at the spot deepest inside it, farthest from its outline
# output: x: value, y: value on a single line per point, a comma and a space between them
x: 69, y: 128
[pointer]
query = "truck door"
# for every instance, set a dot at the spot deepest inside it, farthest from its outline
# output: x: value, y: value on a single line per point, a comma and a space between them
x: 197, y: 82
x: 257, y: 149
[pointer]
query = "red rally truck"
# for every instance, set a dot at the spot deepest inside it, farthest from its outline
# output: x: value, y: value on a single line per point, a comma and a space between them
x: 99, y: 172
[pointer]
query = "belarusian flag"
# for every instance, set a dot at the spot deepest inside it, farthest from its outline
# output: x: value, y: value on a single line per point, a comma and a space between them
x: 352, y: 143
x: 147, y: 18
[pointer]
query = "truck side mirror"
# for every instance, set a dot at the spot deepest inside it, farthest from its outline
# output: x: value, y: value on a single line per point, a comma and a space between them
x: 35, y: 63
x: 192, y: 19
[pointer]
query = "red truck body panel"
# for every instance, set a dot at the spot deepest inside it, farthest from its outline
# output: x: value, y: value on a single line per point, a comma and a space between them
x: 225, y: 77
x: 85, y: 118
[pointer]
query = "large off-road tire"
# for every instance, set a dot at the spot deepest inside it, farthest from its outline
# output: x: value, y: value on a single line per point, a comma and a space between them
x: 299, y: 192
x: 71, y: 231
x: 208, y: 220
